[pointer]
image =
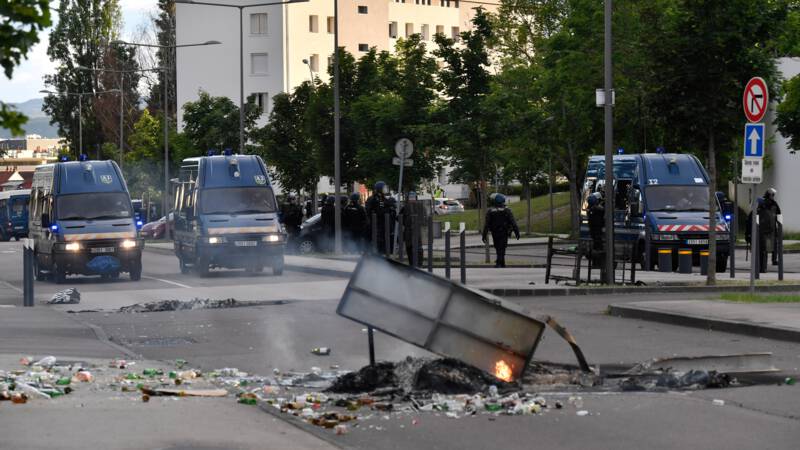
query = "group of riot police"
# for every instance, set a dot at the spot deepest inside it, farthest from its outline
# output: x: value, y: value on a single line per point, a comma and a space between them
x: 381, y: 208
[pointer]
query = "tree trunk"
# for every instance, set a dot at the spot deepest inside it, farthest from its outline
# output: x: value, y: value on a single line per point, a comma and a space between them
x: 574, y: 193
x: 527, y: 185
x: 712, y: 212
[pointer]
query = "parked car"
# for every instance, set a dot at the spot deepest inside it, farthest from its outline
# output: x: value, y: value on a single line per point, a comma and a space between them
x: 311, y: 235
x: 445, y: 206
x: 155, y: 230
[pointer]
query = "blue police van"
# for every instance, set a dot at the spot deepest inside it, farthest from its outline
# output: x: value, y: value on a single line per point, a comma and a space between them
x: 14, y: 214
x: 668, y: 194
x: 226, y: 216
x: 82, y: 222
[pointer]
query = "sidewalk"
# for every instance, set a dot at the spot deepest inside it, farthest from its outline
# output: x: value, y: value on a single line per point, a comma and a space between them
x: 767, y: 320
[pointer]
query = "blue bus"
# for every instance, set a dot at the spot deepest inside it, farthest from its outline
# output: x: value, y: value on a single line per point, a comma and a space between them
x: 14, y: 214
x: 668, y: 193
x: 82, y: 222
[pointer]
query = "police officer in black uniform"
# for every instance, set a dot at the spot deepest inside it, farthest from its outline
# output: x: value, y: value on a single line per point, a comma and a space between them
x: 500, y: 221
x: 411, y: 216
x: 354, y: 222
x: 768, y: 211
x: 378, y: 205
x: 292, y: 217
x: 328, y: 220
x: 597, y: 214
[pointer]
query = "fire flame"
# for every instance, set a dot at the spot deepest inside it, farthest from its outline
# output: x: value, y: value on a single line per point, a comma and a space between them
x: 502, y: 370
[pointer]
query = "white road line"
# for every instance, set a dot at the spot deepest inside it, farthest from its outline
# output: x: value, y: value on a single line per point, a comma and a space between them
x: 11, y: 286
x: 174, y: 283
x: 7, y: 306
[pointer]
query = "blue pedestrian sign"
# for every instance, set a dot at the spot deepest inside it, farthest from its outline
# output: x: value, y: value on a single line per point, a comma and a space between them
x: 754, y: 140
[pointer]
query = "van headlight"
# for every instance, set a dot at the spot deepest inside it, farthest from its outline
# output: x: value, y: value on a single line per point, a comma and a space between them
x: 72, y: 246
x: 216, y: 240
x: 723, y: 236
x: 272, y: 238
x: 128, y: 244
x: 665, y: 237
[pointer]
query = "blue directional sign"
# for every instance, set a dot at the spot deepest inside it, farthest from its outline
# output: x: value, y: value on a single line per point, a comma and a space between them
x: 754, y: 140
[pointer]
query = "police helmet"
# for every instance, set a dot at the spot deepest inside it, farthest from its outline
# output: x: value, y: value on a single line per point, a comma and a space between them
x: 330, y: 200
x: 770, y: 193
x: 380, y: 186
x: 499, y: 200
x: 593, y: 199
x: 492, y: 197
x: 355, y: 197
x: 411, y: 195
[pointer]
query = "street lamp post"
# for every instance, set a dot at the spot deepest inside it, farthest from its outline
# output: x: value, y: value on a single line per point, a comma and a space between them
x: 241, y: 50
x: 80, y: 109
x: 164, y: 202
x: 609, y: 142
x: 337, y: 169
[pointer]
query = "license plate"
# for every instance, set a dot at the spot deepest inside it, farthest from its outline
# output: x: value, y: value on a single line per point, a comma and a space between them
x: 18, y: 228
x: 697, y: 241
x: 246, y: 243
x: 102, y: 250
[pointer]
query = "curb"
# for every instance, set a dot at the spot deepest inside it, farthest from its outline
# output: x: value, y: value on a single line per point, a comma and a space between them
x: 560, y: 292
x: 705, y: 323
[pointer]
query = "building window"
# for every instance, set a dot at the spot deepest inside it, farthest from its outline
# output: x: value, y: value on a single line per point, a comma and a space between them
x: 258, y: 23
x: 409, y: 29
x: 393, y: 30
x: 363, y: 47
x: 314, y: 62
x: 425, y: 31
x: 362, y: 9
x: 454, y: 33
x: 439, y: 29
x: 313, y: 24
x: 262, y: 100
x: 331, y: 25
x: 258, y: 63
x: 330, y: 62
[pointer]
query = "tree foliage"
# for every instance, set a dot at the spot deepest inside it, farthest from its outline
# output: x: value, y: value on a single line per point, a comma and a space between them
x: 212, y: 123
x: 788, y: 113
x: 19, y: 32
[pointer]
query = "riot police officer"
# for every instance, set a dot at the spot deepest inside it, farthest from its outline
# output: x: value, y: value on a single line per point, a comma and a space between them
x: 768, y: 211
x: 411, y: 215
x: 500, y: 221
x: 354, y: 222
x: 292, y: 217
x: 377, y: 207
x: 597, y: 214
x: 328, y: 220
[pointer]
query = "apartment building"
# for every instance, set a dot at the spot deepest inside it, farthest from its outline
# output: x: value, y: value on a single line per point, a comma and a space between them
x: 277, y: 39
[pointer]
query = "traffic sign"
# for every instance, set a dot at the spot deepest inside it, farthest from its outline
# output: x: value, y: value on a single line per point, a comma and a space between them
x: 406, y: 162
x: 756, y: 99
x: 752, y: 170
x: 404, y: 148
x: 754, y: 140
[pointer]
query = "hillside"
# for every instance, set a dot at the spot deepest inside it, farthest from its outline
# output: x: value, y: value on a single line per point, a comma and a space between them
x: 38, y: 122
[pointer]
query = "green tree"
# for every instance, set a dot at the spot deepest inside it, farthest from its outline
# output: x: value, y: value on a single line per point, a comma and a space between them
x: 467, y: 127
x: 213, y: 122
x: 286, y: 145
x: 81, y: 38
x: 19, y: 32
x: 702, y: 53
x: 788, y: 113
x: 165, y: 35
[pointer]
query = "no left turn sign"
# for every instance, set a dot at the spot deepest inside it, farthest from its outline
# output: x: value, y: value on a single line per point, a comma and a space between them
x: 756, y: 99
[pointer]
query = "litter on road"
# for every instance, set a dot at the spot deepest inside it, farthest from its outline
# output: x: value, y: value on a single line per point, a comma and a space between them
x: 67, y: 296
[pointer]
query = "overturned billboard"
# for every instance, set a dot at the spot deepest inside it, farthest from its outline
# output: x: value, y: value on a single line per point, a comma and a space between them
x: 442, y: 317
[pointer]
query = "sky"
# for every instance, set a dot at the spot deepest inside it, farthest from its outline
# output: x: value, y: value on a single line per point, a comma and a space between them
x: 27, y: 79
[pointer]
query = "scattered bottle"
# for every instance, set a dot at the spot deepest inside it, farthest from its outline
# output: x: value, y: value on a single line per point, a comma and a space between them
x: 321, y: 351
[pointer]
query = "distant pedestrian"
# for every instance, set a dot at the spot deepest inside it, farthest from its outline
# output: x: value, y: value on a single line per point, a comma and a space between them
x: 354, y: 222
x: 500, y: 221
x: 378, y: 206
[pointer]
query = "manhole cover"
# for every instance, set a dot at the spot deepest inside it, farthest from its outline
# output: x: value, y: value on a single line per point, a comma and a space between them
x: 161, y: 341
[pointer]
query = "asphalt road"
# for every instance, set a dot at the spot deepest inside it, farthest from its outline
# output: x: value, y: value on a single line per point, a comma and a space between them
x: 258, y: 339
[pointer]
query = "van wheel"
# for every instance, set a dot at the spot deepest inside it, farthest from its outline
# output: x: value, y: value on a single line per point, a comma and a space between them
x: 59, y: 276
x: 277, y: 266
x: 16, y: 238
x: 136, y: 271
x: 201, y: 266
x: 185, y: 269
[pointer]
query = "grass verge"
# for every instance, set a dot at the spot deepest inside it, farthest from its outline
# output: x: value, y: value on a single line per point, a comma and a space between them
x: 756, y: 298
x: 539, y: 207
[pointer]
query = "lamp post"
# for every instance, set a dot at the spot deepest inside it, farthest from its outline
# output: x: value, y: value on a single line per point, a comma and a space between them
x: 164, y: 203
x: 337, y: 166
x: 241, y: 49
x: 609, y: 143
x: 310, y: 70
x: 121, y: 100
x: 80, y: 109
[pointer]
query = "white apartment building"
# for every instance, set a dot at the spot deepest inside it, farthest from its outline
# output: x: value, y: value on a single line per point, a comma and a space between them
x: 276, y: 40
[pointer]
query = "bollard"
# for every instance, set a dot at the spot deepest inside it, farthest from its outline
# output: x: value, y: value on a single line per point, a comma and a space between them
x: 430, y: 244
x: 27, y: 272
x: 703, y: 262
x: 648, y: 257
x: 387, y: 228
x: 463, y: 252
x: 779, y: 245
x: 665, y: 260
x: 371, y: 342
x: 685, y: 260
x: 732, y: 229
x: 447, y: 250
x: 401, y: 242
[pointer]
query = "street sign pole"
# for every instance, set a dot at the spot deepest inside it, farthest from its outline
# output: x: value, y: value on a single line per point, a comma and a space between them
x: 755, y: 102
x: 753, y: 239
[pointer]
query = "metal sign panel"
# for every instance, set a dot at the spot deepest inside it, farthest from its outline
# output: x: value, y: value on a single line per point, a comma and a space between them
x: 754, y: 140
x: 442, y: 316
x: 756, y: 99
x: 404, y: 148
x: 752, y: 170
x: 406, y: 162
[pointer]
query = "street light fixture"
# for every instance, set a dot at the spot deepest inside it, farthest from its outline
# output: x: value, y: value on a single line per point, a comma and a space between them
x: 80, y: 109
x: 164, y: 203
x: 241, y: 50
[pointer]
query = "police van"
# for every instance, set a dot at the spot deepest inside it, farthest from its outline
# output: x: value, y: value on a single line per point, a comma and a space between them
x: 226, y: 216
x: 665, y: 193
x: 14, y: 214
x: 82, y: 222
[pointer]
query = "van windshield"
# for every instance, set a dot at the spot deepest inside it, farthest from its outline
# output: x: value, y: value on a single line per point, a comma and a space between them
x: 238, y: 200
x: 94, y: 206
x: 676, y: 198
x: 19, y: 206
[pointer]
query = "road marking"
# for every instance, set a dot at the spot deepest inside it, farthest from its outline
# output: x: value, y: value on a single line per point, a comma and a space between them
x: 174, y: 283
x: 11, y: 286
x: 7, y: 306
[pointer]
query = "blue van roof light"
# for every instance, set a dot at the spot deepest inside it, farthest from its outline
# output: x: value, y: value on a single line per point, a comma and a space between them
x: 228, y: 151
x: 661, y: 150
x: 83, y: 157
x: 64, y: 158
x: 211, y: 152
